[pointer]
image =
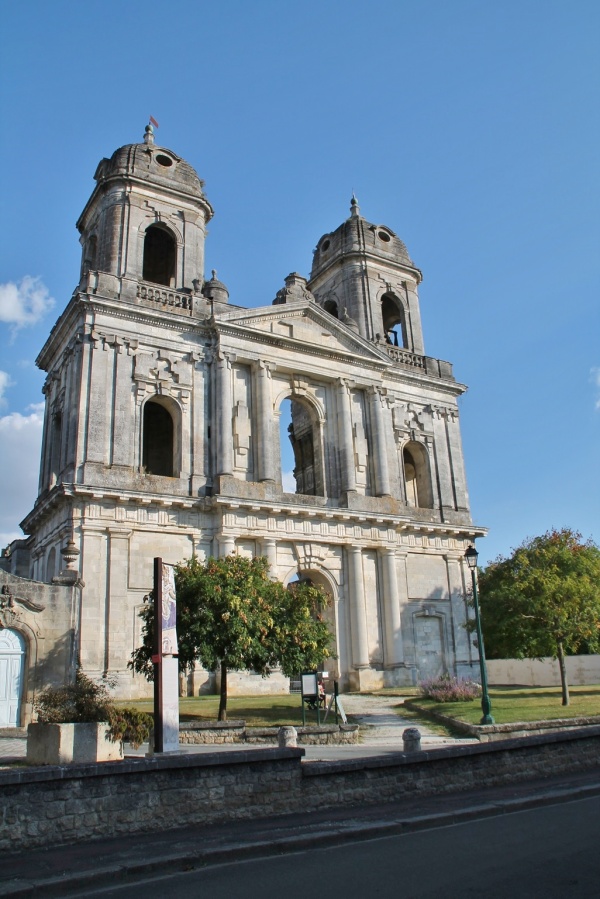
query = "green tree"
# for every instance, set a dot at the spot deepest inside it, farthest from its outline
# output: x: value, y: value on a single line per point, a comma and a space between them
x: 544, y: 600
x: 232, y: 616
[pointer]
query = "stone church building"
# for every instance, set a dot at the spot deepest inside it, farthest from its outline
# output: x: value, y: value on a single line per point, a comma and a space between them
x: 162, y: 436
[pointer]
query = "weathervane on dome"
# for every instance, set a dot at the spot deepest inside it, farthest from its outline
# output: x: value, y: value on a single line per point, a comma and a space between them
x: 149, y: 131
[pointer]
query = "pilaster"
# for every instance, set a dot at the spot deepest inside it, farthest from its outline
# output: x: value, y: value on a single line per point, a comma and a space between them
x: 356, y: 598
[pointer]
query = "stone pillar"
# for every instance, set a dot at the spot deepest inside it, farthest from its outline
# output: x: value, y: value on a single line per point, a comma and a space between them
x: 379, y: 444
x: 356, y: 600
x: 393, y: 649
x: 269, y: 550
x: 99, y: 402
x: 226, y: 545
x: 123, y: 414
x: 198, y: 422
x: 263, y: 420
x: 119, y: 624
x: 223, y: 415
x: 347, y: 465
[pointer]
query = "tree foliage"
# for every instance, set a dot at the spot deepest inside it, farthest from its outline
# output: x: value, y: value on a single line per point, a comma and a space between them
x: 544, y: 600
x: 232, y: 616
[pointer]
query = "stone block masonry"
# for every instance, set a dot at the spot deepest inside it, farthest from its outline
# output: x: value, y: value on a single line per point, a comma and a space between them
x: 58, y: 805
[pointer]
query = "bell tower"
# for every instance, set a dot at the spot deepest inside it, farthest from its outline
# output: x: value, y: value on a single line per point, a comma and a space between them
x: 145, y: 221
x: 363, y: 275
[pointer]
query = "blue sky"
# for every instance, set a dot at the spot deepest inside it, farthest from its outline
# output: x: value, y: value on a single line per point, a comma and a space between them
x: 470, y: 128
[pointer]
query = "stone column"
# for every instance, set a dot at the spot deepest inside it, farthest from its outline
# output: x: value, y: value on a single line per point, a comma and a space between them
x: 263, y: 420
x: 223, y: 415
x: 123, y: 413
x: 356, y: 600
x: 198, y: 413
x: 269, y: 550
x: 226, y: 545
x: 379, y: 444
x: 347, y: 465
x: 119, y: 626
x: 393, y: 649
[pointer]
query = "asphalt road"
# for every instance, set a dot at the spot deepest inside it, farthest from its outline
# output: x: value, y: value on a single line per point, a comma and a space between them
x: 552, y: 852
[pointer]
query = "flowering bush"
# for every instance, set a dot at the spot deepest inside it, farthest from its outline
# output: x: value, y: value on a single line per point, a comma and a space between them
x: 449, y: 689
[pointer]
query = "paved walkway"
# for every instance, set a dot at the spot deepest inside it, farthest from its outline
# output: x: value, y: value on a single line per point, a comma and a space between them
x: 381, y: 729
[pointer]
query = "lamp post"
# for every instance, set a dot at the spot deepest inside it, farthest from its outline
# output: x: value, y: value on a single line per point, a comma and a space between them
x: 486, y: 706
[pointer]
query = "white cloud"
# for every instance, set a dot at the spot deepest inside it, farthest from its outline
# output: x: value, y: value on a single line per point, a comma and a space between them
x: 595, y: 378
x: 24, y: 303
x: 5, y: 381
x: 20, y: 443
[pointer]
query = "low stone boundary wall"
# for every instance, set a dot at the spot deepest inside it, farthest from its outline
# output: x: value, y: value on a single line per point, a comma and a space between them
x: 581, y: 670
x: 236, y: 732
x: 83, y: 802
x: 487, y: 733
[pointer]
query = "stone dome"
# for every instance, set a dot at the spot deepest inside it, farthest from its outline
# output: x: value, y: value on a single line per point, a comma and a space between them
x: 356, y: 234
x: 158, y: 165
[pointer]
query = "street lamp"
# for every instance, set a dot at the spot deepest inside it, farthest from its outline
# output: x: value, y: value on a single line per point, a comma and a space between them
x: 486, y: 706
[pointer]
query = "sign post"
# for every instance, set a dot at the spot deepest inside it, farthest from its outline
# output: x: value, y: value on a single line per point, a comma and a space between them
x: 164, y: 659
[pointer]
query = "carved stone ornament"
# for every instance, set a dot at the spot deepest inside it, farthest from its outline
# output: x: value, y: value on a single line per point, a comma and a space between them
x: 7, y: 601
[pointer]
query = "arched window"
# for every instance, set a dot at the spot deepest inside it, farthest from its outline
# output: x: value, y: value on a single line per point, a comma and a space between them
x: 159, y: 256
x: 394, y: 320
x: 158, y: 449
x: 300, y: 433
x: 416, y: 476
x: 332, y: 307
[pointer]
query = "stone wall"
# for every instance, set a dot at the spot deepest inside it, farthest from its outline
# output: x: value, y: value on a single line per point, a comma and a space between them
x: 581, y: 670
x: 237, y: 732
x: 58, y: 805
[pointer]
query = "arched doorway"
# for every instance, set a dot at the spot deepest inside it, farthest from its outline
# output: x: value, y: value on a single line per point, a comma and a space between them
x: 12, y: 667
x: 318, y: 579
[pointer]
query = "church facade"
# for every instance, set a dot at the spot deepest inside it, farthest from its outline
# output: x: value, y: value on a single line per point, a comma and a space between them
x: 162, y: 433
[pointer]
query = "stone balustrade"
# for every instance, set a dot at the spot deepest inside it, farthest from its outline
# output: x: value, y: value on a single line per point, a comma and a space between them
x: 164, y: 296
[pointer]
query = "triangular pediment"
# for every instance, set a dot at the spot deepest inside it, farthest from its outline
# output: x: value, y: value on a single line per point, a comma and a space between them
x: 304, y: 324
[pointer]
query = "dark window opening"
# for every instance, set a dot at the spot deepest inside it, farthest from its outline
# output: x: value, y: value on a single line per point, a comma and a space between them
x: 332, y: 308
x: 157, y: 456
x: 392, y: 314
x: 416, y: 477
x: 159, y: 256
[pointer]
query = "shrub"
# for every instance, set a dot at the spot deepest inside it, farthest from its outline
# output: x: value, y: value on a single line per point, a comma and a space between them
x: 449, y: 689
x: 88, y: 702
x: 130, y: 726
x: 83, y: 701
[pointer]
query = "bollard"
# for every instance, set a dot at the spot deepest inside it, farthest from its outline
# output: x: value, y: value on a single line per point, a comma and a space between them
x: 412, y: 739
x: 288, y: 737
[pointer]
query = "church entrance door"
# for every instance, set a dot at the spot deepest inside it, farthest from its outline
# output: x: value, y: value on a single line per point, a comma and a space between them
x: 12, y: 663
x: 429, y: 647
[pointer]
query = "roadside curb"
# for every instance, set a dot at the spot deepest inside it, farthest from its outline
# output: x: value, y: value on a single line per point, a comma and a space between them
x: 356, y: 827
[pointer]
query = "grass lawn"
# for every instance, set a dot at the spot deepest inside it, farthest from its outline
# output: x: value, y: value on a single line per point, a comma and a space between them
x: 256, y: 711
x: 510, y: 704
